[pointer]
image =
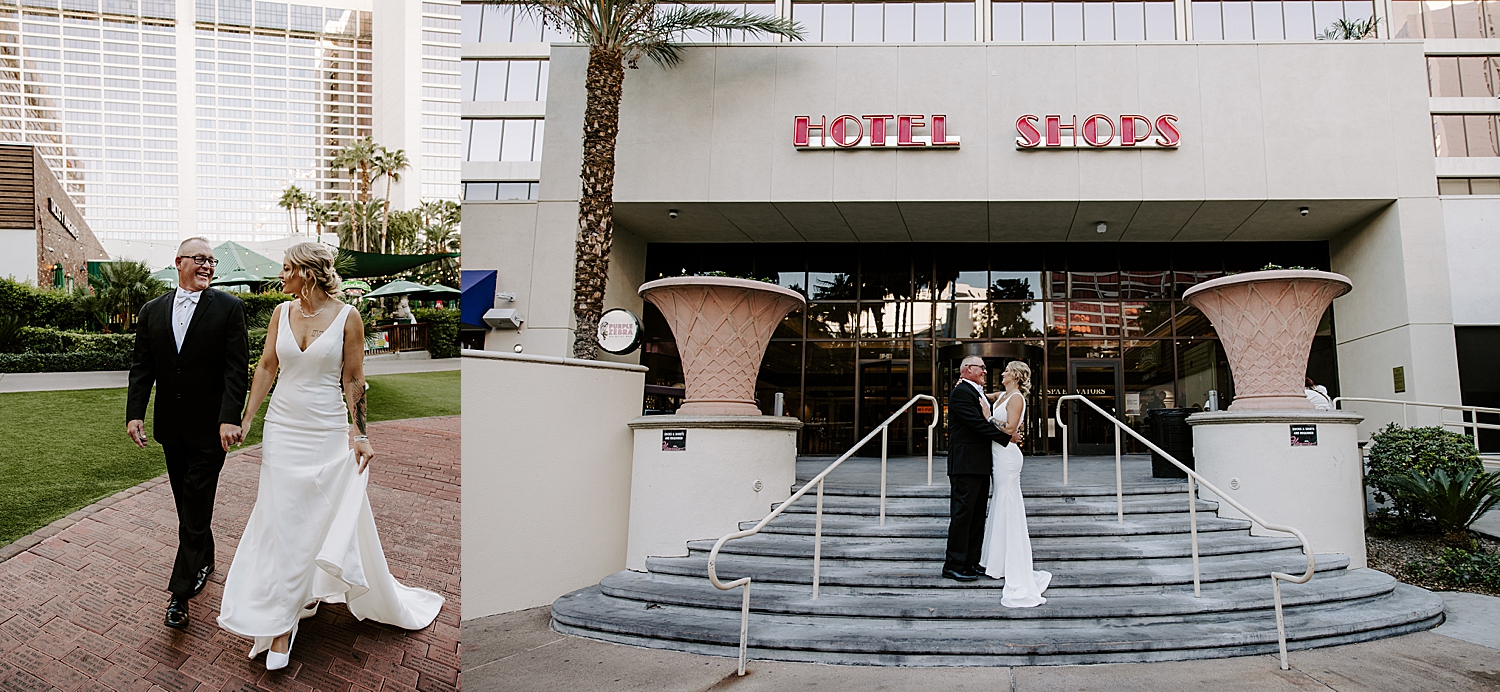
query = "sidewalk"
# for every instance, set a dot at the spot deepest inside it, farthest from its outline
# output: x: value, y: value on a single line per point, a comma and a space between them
x: 82, y: 609
x: 113, y: 379
x: 519, y: 651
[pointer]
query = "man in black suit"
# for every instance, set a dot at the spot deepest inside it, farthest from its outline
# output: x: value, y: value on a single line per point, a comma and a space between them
x: 969, y: 468
x: 191, y: 343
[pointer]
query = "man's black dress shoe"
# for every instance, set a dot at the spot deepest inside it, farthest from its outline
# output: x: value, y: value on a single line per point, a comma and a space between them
x: 959, y: 576
x: 977, y: 570
x: 201, y: 580
x: 177, y: 613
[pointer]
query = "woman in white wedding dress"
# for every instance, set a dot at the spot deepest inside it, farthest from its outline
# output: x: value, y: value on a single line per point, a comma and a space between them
x: 1007, y: 545
x: 311, y: 537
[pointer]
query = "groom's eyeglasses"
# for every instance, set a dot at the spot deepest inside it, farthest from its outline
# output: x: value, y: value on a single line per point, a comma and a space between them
x: 201, y: 260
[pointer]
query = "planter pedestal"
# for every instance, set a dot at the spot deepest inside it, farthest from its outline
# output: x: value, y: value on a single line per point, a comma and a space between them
x: 732, y: 469
x: 1317, y: 488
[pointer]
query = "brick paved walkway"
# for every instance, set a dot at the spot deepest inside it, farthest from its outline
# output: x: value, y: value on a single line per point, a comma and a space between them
x: 82, y: 609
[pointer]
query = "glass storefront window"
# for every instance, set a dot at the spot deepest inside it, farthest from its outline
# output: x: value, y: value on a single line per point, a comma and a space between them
x: 960, y: 320
x: 1445, y: 19
x: 1083, y: 21
x: 828, y: 399
x: 1259, y: 20
x: 1190, y: 322
x: 1006, y: 285
x: 780, y: 373
x: 874, y: 22
x: 1091, y: 319
x: 1152, y: 320
x: 791, y: 326
x: 1016, y: 320
x: 1093, y: 349
x: 832, y: 320
x: 885, y: 320
x: 1203, y: 367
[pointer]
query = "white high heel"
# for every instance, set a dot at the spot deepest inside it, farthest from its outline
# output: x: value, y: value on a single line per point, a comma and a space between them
x: 276, y: 661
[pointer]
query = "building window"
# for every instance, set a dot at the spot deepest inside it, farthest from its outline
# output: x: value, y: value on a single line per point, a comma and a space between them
x: 1444, y: 19
x: 1466, y: 135
x: 504, y: 80
x: 503, y: 140
x: 1469, y: 186
x: 505, y: 24
x: 1084, y: 21
x: 873, y: 22
x: 1476, y: 76
x: 1295, y: 20
x: 499, y: 191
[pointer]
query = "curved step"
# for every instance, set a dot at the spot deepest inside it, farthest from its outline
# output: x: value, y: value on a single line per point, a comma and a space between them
x: 1044, y: 506
x: 937, y: 527
x: 1218, y: 600
x: 590, y: 613
x: 1043, y: 549
x: 1029, y: 490
x: 1085, y: 575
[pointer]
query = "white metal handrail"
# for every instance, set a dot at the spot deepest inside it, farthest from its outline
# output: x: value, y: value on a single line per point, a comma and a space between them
x: 713, y: 555
x: 1193, y: 477
x: 1471, y: 427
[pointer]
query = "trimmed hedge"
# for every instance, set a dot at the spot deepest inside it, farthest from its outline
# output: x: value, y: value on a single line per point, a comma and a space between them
x: 47, y: 340
x: 1397, y: 450
x: 258, y: 307
x: 63, y: 362
x: 50, y: 307
x: 442, y: 330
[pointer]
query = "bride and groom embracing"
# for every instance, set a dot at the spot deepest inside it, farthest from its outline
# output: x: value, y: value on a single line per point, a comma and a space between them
x: 311, y: 537
x: 987, y: 530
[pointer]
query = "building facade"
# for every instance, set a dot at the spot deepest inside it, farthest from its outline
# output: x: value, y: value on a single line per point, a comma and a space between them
x: 44, y: 240
x: 173, y: 118
x: 762, y: 160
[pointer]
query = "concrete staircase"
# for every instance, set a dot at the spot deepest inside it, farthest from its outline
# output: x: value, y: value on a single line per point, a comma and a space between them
x: 1119, y: 593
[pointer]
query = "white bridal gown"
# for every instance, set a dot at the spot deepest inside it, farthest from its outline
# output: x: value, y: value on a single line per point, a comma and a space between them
x: 1007, y: 545
x: 311, y: 536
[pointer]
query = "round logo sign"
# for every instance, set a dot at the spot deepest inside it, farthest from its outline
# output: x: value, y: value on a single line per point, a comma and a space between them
x: 619, y: 331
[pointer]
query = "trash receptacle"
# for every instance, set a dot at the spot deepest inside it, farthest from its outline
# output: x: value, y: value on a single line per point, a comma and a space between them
x: 1168, y: 428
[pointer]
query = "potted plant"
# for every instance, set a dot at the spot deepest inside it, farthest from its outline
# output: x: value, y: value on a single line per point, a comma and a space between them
x: 1266, y: 320
x: 722, y: 326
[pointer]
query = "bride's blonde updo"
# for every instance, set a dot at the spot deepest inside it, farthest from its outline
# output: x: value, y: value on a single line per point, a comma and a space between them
x: 1022, y: 373
x: 314, y: 263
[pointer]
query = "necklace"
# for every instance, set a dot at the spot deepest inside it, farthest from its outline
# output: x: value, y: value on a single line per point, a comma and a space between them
x: 304, y: 312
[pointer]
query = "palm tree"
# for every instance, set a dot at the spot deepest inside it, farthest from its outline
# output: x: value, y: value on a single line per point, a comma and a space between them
x: 122, y: 288
x: 321, y: 214
x: 389, y: 164
x: 292, y: 199
x: 358, y: 158
x: 617, y: 34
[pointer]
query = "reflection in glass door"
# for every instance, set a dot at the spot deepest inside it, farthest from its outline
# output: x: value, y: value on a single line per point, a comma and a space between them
x: 1102, y: 383
x: 885, y: 385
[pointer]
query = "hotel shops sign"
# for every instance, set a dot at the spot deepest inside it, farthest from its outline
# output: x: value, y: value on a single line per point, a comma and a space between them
x: 887, y: 131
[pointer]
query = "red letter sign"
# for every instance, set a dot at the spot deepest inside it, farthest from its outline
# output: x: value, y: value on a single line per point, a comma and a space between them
x: 1029, y: 135
x: 1167, y: 126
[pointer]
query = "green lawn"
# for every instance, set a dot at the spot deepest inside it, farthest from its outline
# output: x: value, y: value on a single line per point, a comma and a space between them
x: 61, y: 451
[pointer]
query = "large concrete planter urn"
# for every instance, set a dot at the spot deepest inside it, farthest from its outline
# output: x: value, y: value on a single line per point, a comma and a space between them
x: 722, y: 326
x: 1266, y: 321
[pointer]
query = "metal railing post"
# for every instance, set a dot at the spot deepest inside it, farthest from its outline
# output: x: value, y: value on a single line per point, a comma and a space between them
x: 1064, y: 427
x: 1119, y: 481
x: 818, y: 542
x: 1193, y: 527
x: 884, y: 430
x: 1280, y: 620
x: 929, y: 445
x: 745, y: 625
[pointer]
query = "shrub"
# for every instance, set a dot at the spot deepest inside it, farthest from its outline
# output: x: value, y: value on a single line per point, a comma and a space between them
x: 42, y: 307
x: 63, y: 362
x: 10, y: 333
x: 442, y: 330
x: 48, y: 340
x: 258, y: 307
x: 1397, y: 451
x: 1453, y: 502
x: 1459, y: 568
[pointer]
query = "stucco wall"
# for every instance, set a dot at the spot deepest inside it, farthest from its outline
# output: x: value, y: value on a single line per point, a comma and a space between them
x: 546, y: 476
x: 1473, y: 250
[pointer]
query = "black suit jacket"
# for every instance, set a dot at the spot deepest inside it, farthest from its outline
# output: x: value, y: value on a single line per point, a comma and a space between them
x: 970, y: 433
x: 204, y: 384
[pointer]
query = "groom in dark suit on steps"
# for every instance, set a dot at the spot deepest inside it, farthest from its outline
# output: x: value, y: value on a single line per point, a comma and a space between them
x: 969, y: 468
x: 192, y: 344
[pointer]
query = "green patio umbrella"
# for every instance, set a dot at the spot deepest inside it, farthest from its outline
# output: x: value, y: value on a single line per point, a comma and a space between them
x: 241, y: 265
x: 167, y: 276
x: 414, y: 290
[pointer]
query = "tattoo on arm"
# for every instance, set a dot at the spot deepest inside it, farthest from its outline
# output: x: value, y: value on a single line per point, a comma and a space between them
x: 360, y: 414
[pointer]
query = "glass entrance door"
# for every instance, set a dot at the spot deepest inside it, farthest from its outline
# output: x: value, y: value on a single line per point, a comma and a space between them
x: 1102, y: 382
x: 884, y: 386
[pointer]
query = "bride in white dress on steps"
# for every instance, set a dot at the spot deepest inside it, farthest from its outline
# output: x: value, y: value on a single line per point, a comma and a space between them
x: 311, y: 537
x: 1007, y: 545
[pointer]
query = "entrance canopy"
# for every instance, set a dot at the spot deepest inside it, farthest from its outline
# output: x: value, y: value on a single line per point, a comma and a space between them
x: 963, y: 221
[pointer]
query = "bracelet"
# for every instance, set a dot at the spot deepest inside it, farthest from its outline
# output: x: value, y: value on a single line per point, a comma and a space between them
x: 361, y: 438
